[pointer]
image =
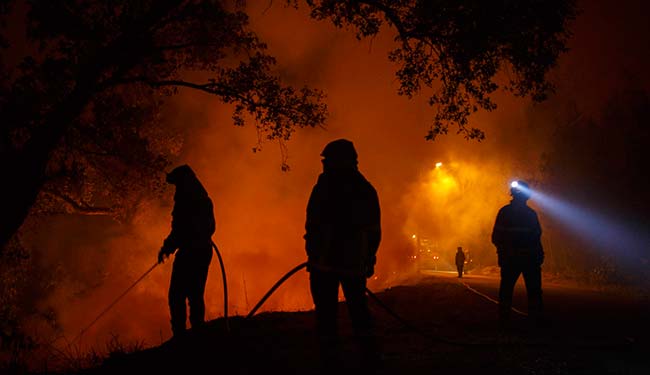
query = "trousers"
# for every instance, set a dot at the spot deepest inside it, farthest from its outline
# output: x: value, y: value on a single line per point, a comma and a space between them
x: 324, y: 290
x: 532, y: 273
x: 187, y: 285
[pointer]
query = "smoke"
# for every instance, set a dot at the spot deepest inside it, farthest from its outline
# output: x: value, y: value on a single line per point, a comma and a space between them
x: 454, y: 204
x: 260, y: 210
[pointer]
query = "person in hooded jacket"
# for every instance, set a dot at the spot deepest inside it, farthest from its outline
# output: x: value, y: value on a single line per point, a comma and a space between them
x: 191, y: 239
x: 342, y: 237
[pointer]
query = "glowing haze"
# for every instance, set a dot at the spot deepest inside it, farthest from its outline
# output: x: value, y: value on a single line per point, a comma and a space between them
x: 260, y: 210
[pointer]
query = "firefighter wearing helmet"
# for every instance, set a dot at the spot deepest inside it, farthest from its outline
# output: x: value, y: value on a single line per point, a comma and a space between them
x: 517, y: 237
x: 342, y: 237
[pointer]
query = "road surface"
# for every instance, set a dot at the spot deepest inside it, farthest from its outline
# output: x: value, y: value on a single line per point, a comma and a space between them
x: 444, y: 325
x: 610, y: 314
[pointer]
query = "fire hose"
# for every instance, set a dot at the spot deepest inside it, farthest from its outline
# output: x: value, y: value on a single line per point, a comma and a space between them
x: 421, y: 332
x: 371, y: 294
x: 274, y: 287
x: 225, y: 286
x: 109, y: 307
x: 112, y: 304
x: 284, y: 278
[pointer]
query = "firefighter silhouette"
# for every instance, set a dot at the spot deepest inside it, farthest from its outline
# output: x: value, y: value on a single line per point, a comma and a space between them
x: 342, y: 237
x: 192, y: 228
x: 517, y: 237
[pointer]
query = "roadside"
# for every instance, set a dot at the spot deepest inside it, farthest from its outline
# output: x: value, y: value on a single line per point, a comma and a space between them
x: 588, y: 333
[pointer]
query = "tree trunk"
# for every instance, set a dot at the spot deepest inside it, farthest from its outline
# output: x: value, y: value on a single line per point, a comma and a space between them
x: 26, y: 168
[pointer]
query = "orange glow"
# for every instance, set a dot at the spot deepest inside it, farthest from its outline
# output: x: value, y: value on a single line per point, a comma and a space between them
x: 442, y: 182
x: 456, y: 205
x: 260, y: 210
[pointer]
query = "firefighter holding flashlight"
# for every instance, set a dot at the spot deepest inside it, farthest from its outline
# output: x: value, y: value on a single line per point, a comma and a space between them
x: 342, y: 237
x: 517, y: 237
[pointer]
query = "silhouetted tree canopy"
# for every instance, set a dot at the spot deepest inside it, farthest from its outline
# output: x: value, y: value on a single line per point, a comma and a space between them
x: 80, y: 99
x: 456, y: 49
x: 80, y: 112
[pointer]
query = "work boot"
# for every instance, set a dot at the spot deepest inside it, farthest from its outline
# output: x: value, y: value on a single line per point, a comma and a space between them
x: 504, y: 321
x: 178, y: 331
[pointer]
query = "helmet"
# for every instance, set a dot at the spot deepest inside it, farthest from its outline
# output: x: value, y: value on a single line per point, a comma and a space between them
x: 180, y: 173
x: 340, y: 150
x: 520, y: 189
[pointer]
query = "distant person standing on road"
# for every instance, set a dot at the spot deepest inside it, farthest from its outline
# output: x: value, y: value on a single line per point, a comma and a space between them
x: 517, y: 237
x: 460, y: 261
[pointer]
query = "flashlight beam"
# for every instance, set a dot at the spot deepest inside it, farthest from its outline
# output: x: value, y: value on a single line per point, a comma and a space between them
x: 596, y: 227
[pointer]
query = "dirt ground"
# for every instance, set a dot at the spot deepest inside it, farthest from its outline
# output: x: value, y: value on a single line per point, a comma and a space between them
x: 446, y: 328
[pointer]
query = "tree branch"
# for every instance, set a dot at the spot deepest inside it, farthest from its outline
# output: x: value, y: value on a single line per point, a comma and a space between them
x: 390, y: 16
x: 210, y: 88
x: 405, y: 35
x: 180, y: 46
x: 79, y: 207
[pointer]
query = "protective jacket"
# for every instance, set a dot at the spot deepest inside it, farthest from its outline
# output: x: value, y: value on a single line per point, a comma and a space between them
x: 192, y: 220
x: 343, y: 223
x: 517, y: 233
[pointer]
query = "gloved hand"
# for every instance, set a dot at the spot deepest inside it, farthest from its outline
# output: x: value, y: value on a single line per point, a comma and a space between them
x: 162, y: 255
x: 370, y: 270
